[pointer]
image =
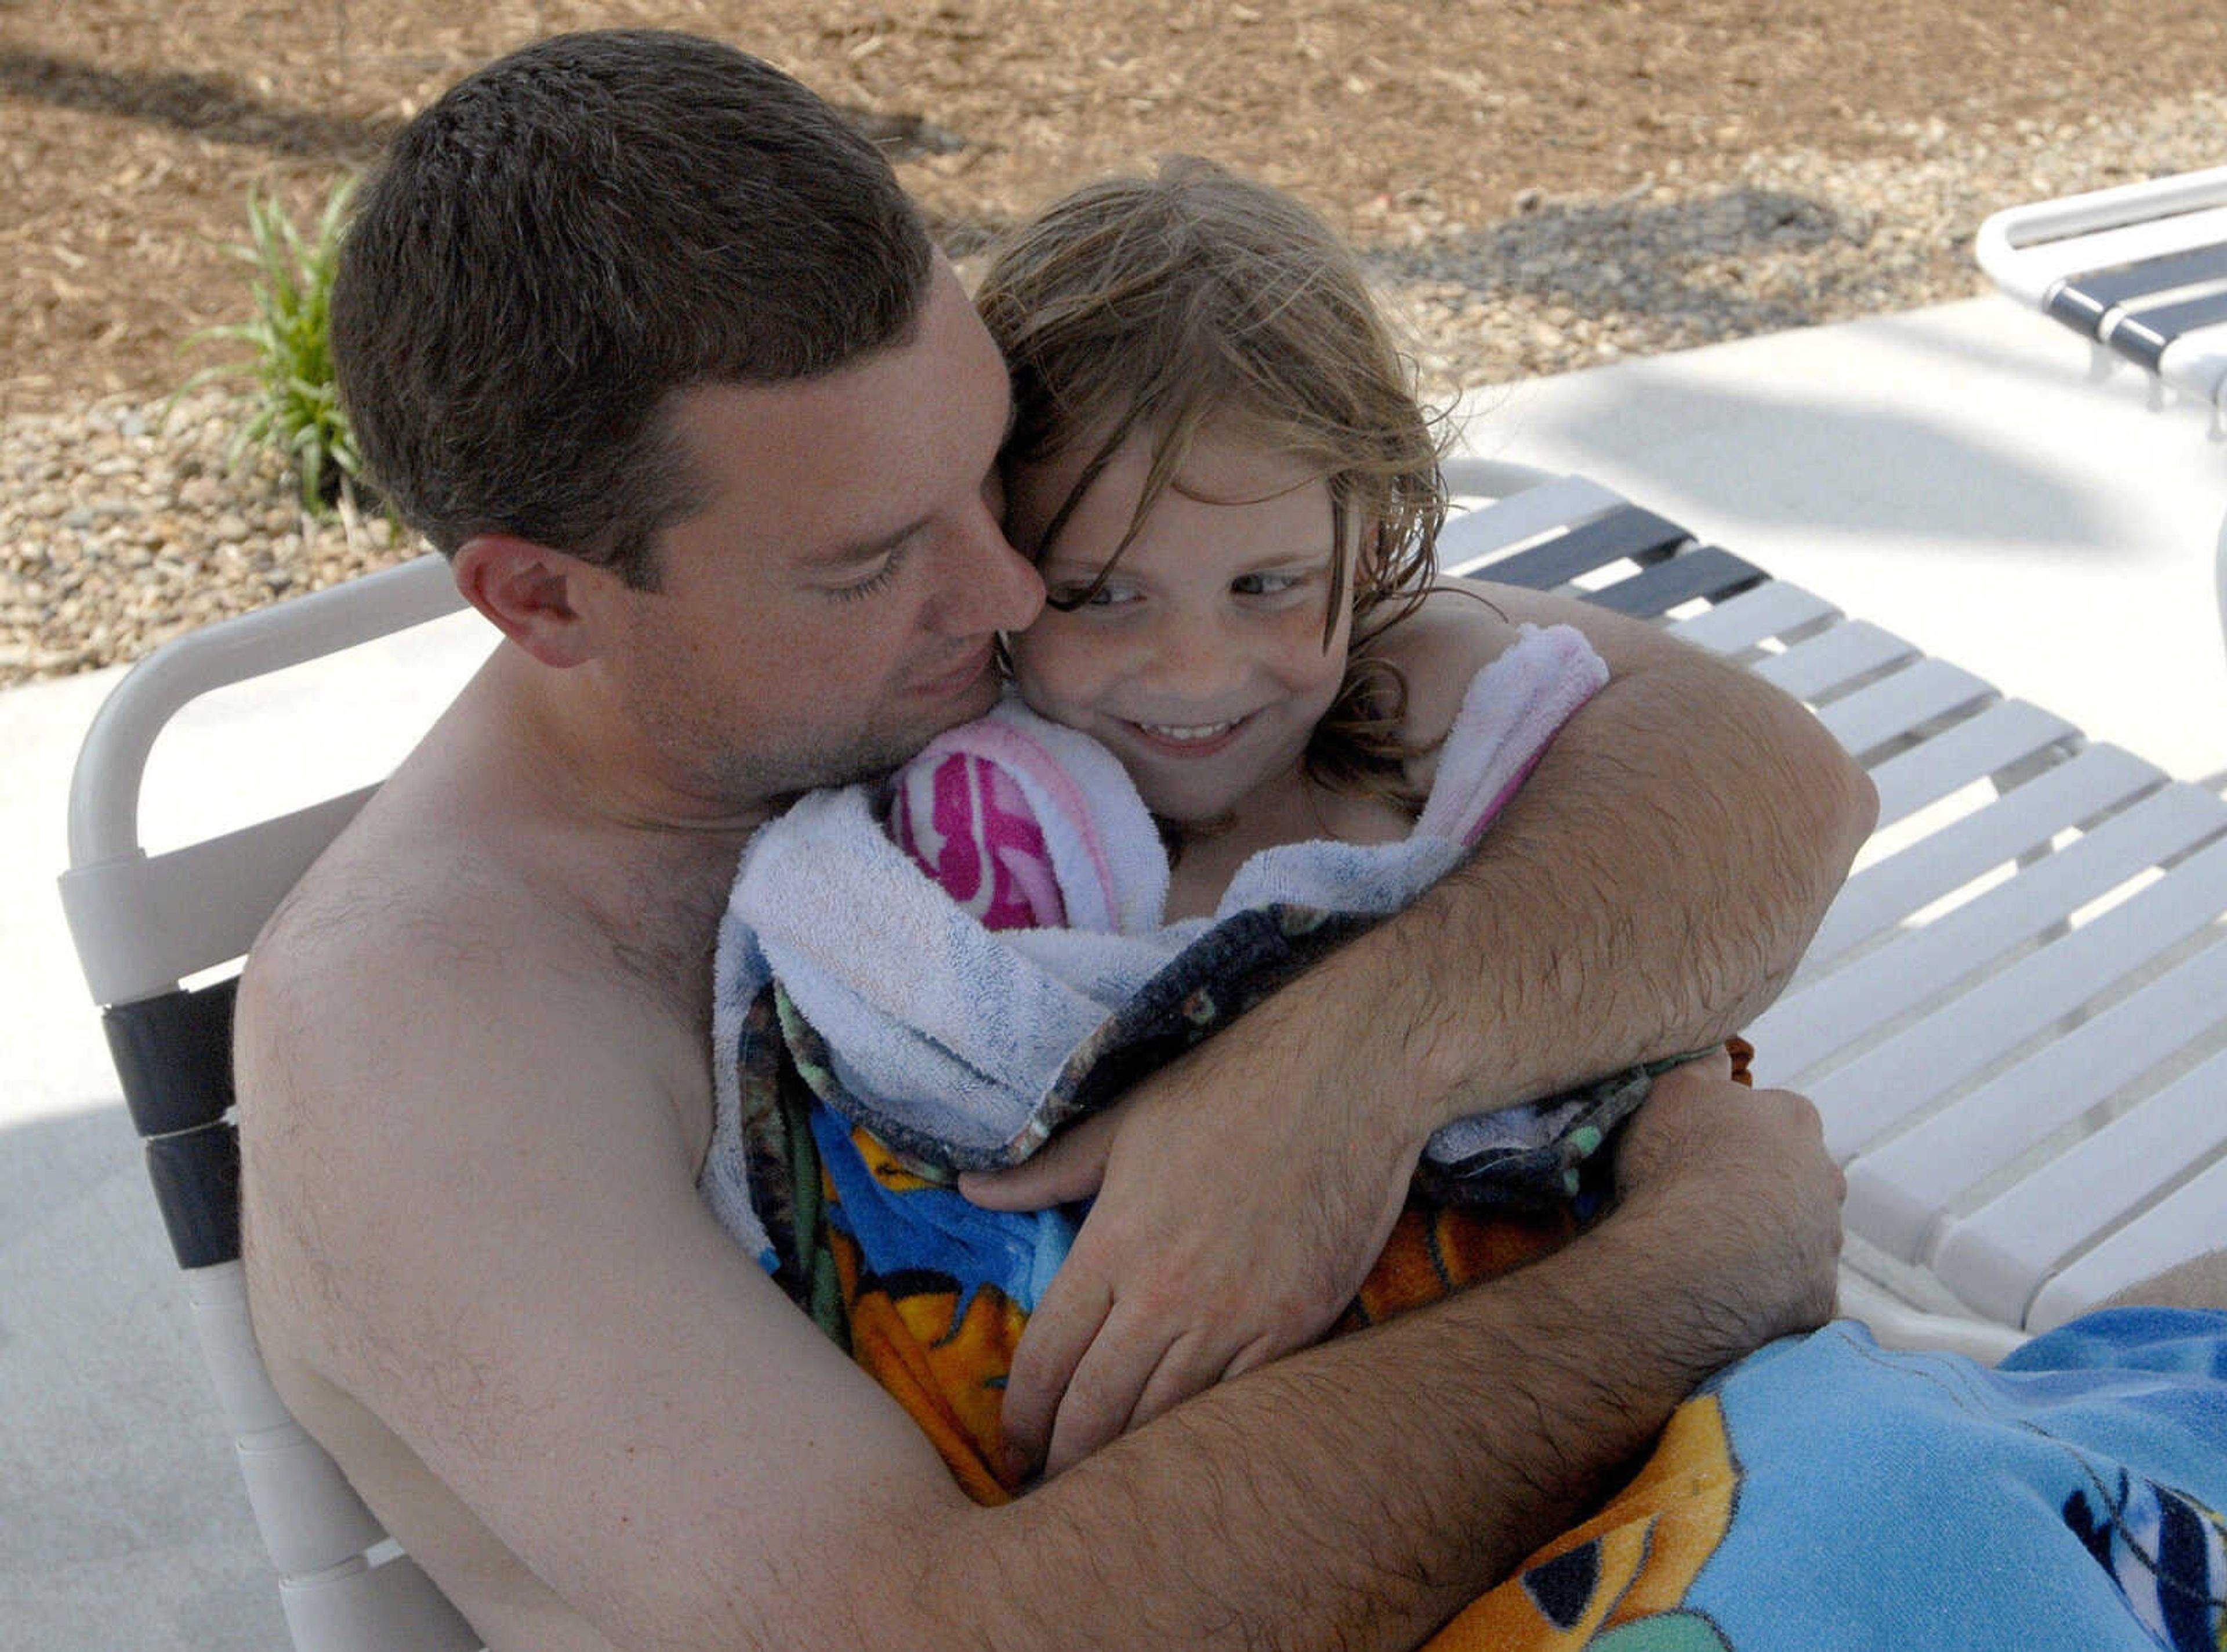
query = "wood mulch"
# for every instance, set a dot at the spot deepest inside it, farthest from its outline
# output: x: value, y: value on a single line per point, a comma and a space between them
x: 130, y: 131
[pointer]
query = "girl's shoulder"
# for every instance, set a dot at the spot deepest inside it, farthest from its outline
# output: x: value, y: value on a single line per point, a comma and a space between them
x: 1439, y: 650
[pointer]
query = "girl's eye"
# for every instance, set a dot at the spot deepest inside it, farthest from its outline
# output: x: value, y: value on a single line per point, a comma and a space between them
x: 1111, y: 594
x: 1265, y: 585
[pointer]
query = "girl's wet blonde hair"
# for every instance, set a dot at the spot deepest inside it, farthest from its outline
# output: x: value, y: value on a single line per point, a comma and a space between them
x: 1194, y: 299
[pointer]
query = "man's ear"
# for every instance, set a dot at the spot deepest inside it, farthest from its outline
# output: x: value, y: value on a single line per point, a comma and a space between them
x: 541, y: 599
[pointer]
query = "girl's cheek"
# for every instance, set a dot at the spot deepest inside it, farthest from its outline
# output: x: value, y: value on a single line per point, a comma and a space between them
x: 1039, y: 662
x: 1057, y: 645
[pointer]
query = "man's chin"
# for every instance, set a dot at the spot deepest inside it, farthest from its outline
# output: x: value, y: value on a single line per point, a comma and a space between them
x: 875, y: 759
x: 962, y: 705
x: 977, y: 700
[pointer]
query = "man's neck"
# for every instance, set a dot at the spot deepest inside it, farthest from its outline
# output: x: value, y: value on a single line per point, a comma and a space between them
x: 584, y: 760
x: 578, y: 840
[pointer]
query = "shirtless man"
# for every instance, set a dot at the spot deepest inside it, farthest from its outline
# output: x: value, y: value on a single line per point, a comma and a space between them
x: 656, y: 350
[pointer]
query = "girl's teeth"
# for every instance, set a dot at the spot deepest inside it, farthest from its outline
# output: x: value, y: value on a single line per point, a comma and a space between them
x: 1190, y: 731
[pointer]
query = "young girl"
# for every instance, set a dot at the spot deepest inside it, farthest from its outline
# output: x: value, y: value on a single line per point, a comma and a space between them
x: 1245, y: 727
x: 1219, y: 466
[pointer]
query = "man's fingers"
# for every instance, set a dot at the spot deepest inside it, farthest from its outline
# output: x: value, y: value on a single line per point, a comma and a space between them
x: 1714, y: 1068
x: 1101, y: 1395
x: 1812, y: 1125
x: 1191, y: 1366
x: 1063, y: 1328
x: 1069, y: 1167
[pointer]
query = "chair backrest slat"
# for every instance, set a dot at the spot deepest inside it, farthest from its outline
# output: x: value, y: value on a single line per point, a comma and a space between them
x: 196, y: 1177
x: 173, y: 1054
x: 1627, y: 534
x: 144, y: 922
x: 1704, y: 571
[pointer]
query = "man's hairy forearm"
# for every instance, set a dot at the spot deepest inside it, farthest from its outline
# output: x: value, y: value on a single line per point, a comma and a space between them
x: 1357, y: 1494
x: 1649, y: 891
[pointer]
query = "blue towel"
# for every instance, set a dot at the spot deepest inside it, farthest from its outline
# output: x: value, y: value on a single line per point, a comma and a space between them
x: 1828, y: 1494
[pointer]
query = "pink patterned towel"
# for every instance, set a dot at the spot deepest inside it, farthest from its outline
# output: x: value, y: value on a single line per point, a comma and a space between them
x: 962, y: 817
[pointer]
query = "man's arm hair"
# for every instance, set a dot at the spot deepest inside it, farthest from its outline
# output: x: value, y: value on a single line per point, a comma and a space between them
x: 1649, y: 891
x: 1357, y: 1494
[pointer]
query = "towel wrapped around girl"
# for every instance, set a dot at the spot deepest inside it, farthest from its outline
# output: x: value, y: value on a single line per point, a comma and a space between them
x: 939, y: 974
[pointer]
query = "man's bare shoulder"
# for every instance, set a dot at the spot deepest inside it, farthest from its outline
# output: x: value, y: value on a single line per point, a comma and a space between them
x: 446, y: 898
x: 380, y: 914
x: 433, y: 994
x: 360, y: 912
x: 428, y: 966
x: 474, y: 958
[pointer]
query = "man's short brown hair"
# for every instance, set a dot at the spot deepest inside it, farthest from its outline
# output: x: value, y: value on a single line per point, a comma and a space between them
x: 573, y: 235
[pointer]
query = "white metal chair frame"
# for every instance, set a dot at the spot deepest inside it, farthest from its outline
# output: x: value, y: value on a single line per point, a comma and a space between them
x: 1947, y: 1048
x: 143, y: 925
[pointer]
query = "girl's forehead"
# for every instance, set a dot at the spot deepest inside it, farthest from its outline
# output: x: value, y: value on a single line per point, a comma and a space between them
x: 1226, y: 459
x: 1240, y: 514
x: 1084, y: 506
x: 1235, y: 465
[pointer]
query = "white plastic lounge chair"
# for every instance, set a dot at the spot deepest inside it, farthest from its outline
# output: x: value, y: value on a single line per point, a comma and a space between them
x: 2140, y: 270
x: 1903, y: 1022
x: 2013, y: 1016
x: 2140, y: 273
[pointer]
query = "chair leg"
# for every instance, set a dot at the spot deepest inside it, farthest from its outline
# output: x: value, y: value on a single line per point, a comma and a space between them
x: 2219, y: 579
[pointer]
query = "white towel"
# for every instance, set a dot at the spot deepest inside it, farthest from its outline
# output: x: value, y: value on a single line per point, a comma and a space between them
x: 954, y: 1033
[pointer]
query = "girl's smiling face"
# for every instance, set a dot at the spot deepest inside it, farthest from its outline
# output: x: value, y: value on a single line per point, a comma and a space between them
x: 1200, y: 658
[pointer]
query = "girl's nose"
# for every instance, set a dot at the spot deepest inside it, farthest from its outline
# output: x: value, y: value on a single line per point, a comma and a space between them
x: 1196, y: 660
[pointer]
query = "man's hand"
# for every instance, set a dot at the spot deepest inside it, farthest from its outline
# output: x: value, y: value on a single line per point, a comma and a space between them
x: 1230, y: 1227
x: 1748, y: 1175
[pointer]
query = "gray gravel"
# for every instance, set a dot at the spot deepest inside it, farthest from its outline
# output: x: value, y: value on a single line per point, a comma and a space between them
x: 121, y: 527
x: 122, y: 524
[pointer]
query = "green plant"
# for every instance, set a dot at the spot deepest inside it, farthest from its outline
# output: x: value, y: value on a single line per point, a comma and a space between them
x: 297, y: 409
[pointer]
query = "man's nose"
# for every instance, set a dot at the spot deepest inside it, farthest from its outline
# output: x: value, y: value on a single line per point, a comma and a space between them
x: 991, y: 586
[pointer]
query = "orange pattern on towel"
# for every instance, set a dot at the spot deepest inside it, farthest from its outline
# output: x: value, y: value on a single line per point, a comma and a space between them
x: 948, y: 1367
